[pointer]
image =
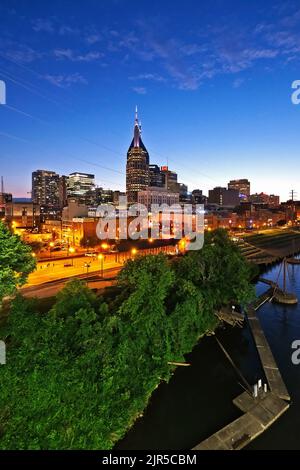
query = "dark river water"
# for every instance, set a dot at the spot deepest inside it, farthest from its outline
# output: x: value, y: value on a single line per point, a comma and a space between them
x: 198, y: 400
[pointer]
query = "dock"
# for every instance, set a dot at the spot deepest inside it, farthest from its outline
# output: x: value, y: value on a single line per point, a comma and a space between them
x: 273, y: 375
x: 230, y: 316
x: 259, y: 412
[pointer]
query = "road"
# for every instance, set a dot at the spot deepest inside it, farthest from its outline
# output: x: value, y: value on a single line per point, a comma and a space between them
x: 94, y: 280
x: 60, y: 269
x: 51, y: 276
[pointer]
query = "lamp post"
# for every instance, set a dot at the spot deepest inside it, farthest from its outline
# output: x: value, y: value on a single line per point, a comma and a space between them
x: 101, y: 259
x: 72, y: 251
x: 51, y: 245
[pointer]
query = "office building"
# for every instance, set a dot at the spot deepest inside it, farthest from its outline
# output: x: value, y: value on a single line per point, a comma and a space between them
x: 224, y: 197
x: 137, y: 166
x: 81, y: 186
x: 46, y: 188
x: 157, y: 177
x: 242, y: 186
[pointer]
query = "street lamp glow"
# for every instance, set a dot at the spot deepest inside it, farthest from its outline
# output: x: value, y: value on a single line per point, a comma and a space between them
x: 134, y: 251
x: 72, y: 249
x: 100, y: 256
x: 104, y: 246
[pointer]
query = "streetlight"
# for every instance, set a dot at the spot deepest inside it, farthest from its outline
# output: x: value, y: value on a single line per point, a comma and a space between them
x: 51, y: 245
x: 87, y: 265
x: 101, y: 259
x: 72, y: 251
x: 133, y: 252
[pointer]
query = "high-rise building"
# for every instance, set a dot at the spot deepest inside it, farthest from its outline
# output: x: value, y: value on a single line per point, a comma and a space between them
x: 157, y: 177
x: 224, y: 197
x: 81, y: 186
x: 171, y: 182
x: 137, y: 167
x: 46, y: 188
x: 242, y: 186
x: 78, y: 184
x: 63, y: 191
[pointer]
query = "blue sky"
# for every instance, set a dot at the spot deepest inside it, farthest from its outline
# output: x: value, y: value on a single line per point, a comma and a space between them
x: 212, y: 80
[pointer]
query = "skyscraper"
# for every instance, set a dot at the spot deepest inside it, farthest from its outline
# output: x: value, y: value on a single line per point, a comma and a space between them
x: 46, y: 188
x: 137, y: 167
x: 170, y: 177
x: 81, y: 186
x: 157, y: 178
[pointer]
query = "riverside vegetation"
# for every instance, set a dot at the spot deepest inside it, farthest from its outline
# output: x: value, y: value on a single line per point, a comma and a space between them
x: 80, y: 373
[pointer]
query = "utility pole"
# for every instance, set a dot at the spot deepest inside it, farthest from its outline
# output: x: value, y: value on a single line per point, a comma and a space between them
x: 293, y: 195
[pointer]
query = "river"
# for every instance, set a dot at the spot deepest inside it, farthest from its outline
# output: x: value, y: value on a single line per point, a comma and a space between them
x: 198, y: 399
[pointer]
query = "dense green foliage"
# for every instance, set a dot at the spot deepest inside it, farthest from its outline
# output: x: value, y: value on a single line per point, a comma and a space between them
x: 16, y: 262
x: 78, y: 376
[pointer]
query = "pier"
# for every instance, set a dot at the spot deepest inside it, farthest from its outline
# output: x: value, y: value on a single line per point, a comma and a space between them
x: 262, y: 409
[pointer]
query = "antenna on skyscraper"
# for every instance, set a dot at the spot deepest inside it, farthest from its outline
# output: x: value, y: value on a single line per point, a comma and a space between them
x: 293, y: 194
x: 2, y: 185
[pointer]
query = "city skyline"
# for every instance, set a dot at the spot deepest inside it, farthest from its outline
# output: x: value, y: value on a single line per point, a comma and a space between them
x: 213, y: 90
x: 137, y: 126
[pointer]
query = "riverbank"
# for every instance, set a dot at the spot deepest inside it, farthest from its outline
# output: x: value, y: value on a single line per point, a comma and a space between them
x: 198, y: 399
x: 271, y: 246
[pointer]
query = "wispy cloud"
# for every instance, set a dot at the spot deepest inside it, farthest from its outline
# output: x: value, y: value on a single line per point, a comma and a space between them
x: 52, y: 26
x: 66, y: 29
x: 45, y: 25
x: 238, y: 82
x: 140, y: 90
x: 148, y: 76
x: 93, y: 38
x: 64, y: 81
x: 69, y: 54
x: 23, y: 54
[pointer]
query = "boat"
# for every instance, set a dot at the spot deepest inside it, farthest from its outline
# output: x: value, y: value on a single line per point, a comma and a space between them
x: 282, y: 296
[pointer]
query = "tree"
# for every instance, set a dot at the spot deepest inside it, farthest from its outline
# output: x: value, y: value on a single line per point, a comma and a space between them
x: 89, y: 241
x: 16, y: 262
x: 78, y: 376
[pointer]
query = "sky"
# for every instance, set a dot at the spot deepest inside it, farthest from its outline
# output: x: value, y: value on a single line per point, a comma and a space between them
x: 212, y: 81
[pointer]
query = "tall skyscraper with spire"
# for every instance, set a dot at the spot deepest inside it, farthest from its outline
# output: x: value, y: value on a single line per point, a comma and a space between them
x: 137, y: 167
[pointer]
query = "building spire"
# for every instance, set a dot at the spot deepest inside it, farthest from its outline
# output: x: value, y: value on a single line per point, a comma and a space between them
x: 137, y: 131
